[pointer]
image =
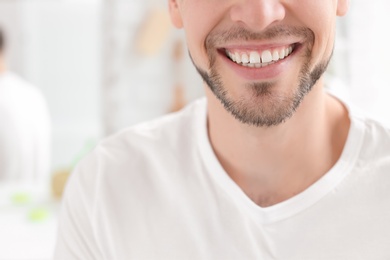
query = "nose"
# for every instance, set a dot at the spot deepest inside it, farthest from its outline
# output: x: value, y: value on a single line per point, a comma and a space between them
x: 257, y: 15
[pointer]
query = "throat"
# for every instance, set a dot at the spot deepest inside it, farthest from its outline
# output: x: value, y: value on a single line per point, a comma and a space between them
x: 266, y: 201
x: 269, y: 193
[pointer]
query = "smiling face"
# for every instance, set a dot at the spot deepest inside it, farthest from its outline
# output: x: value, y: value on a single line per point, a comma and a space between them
x: 259, y: 57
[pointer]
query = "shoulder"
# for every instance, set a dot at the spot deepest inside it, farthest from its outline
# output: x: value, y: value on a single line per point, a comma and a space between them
x: 375, y: 151
x: 14, y: 80
x: 19, y: 90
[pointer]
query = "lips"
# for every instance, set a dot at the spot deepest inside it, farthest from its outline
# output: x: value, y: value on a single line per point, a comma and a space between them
x: 259, y: 62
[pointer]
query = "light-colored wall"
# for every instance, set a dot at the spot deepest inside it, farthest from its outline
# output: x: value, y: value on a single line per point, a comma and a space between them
x: 369, y: 43
x: 139, y: 86
x: 56, y: 46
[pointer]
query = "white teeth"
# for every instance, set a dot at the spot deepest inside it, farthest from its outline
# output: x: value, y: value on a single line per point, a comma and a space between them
x: 233, y: 57
x: 253, y: 59
x: 238, y: 57
x: 275, y: 55
x: 244, y: 58
x: 282, y: 54
x: 266, y: 56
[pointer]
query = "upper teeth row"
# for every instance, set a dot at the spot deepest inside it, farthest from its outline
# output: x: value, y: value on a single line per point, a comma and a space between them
x: 254, y: 57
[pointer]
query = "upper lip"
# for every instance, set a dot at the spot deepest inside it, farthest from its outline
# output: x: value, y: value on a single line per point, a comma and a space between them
x: 258, y: 45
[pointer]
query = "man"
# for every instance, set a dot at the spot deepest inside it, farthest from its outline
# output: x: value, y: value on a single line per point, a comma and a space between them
x: 24, y: 128
x: 267, y: 166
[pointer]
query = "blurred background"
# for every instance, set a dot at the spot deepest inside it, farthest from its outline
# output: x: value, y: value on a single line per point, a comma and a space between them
x: 102, y: 65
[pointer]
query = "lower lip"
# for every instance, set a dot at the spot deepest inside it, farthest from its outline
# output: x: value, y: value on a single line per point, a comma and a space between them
x: 265, y: 73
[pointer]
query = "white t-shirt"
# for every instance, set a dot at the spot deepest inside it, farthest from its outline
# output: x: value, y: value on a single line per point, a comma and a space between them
x: 24, y: 131
x: 157, y: 191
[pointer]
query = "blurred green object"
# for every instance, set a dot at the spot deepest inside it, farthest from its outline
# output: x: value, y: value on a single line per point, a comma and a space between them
x: 20, y: 198
x: 38, y: 215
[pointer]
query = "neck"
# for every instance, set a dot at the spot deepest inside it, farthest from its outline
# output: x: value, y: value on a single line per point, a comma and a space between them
x: 273, y: 164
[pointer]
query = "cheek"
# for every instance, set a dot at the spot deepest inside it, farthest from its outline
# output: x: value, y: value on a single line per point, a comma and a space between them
x: 195, y: 36
x: 319, y: 16
x: 199, y: 19
x: 324, y: 41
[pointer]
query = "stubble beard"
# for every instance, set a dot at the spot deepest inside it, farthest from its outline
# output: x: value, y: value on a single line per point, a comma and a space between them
x: 265, y: 107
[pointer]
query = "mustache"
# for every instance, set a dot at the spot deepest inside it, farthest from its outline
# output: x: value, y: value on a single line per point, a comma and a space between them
x: 238, y: 33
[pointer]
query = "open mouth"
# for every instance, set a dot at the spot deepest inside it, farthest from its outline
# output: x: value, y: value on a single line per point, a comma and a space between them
x: 259, y: 59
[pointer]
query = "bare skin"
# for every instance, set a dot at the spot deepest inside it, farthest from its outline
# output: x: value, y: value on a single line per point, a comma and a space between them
x: 274, y: 164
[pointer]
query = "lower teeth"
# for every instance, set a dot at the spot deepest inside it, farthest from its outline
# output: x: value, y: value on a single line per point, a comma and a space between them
x: 256, y: 65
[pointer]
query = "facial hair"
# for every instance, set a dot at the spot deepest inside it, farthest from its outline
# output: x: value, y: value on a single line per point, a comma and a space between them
x: 265, y: 107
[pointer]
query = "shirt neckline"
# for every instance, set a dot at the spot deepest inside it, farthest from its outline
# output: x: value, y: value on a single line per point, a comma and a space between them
x: 299, y: 202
